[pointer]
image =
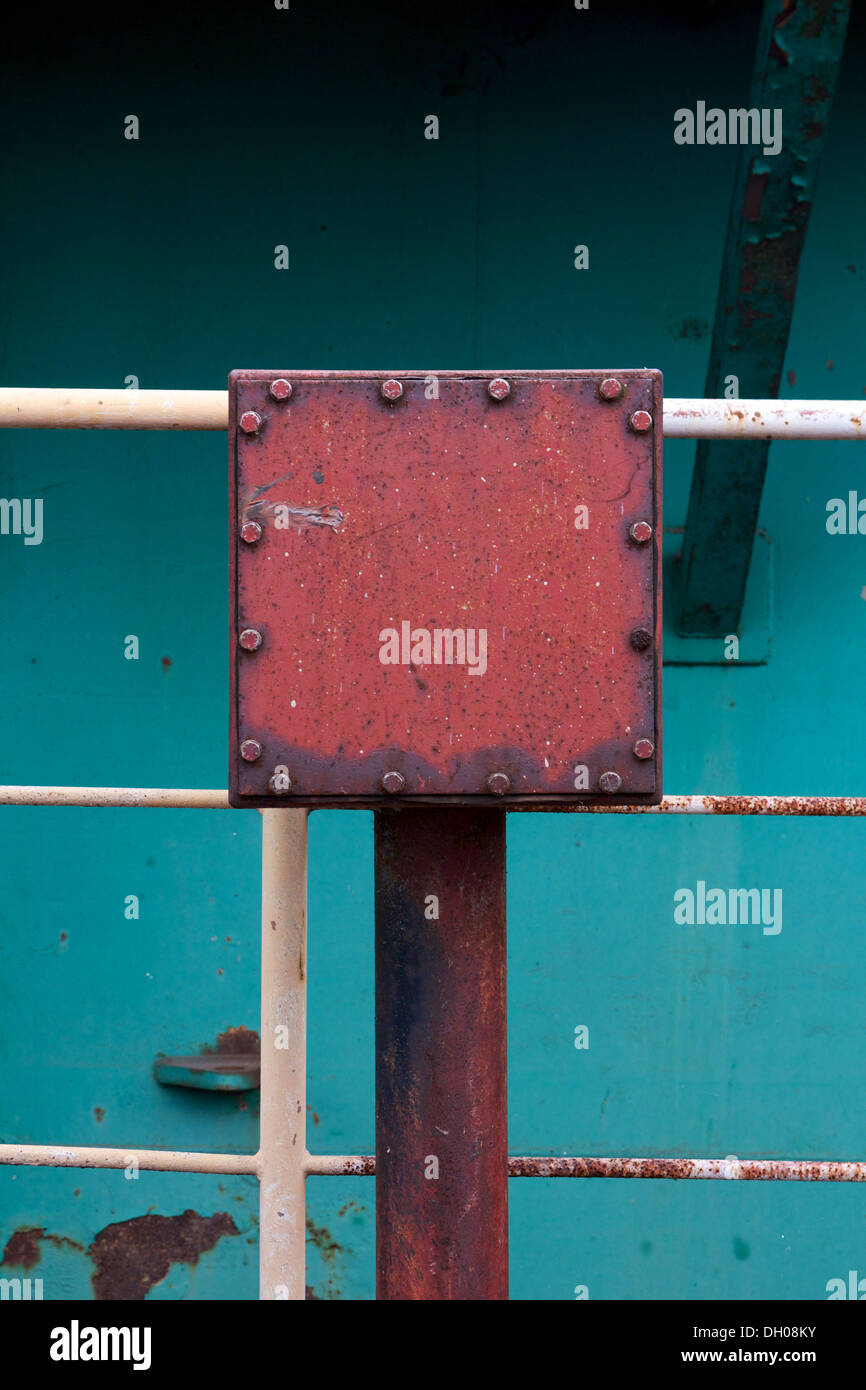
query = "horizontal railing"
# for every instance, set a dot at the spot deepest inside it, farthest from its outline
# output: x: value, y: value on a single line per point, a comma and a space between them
x: 695, y: 805
x: 46, y: 408
x: 364, y: 1165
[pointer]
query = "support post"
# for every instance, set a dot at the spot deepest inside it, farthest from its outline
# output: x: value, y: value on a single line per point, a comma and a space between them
x: 282, y: 1150
x: 441, y: 1101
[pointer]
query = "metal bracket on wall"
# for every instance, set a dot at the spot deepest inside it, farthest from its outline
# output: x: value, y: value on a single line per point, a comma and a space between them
x: 241, y: 1072
x: 395, y: 536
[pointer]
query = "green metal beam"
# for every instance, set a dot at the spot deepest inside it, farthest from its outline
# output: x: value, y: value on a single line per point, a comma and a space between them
x: 799, y: 48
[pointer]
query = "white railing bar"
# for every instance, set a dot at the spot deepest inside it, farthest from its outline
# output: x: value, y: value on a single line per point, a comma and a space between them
x: 155, y: 1160
x: 339, y: 1165
x: 46, y: 408
x: 114, y: 796
x: 685, y: 417
x: 763, y: 419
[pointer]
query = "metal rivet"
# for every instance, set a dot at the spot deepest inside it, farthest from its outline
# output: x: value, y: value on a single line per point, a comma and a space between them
x: 280, y: 389
x: 250, y: 639
x: 251, y: 532
x: 641, y: 638
x: 499, y: 388
x: 499, y: 783
x: 609, y: 782
x: 391, y: 389
x: 251, y: 750
x: 640, y: 532
x: 641, y: 421
x: 610, y: 389
x: 643, y: 748
x: 280, y: 783
x: 393, y: 782
x: 250, y: 422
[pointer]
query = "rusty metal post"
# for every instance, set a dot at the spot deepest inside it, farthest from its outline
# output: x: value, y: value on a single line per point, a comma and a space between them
x: 441, y: 1104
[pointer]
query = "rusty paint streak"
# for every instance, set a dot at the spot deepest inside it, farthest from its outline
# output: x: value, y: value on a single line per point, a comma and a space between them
x: 754, y: 196
x: 131, y: 1256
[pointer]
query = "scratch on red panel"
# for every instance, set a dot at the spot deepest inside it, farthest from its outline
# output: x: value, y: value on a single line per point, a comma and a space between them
x: 290, y: 517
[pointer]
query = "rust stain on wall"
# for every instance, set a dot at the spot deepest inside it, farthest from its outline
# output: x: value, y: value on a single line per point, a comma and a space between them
x: 238, y: 1040
x: 22, y: 1247
x: 332, y: 1256
x: 131, y: 1256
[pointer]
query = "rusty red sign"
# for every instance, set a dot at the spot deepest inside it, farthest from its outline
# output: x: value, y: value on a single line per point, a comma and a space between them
x: 445, y: 587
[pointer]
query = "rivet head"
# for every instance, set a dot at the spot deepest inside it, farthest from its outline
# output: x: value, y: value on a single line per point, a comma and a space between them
x: 641, y: 421
x: 499, y: 783
x: 643, y: 748
x: 279, y: 782
x: 609, y: 782
x: 393, y: 782
x: 251, y: 532
x: 250, y: 422
x: 280, y: 389
x: 610, y: 389
x: 251, y: 750
x: 641, y: 638
x: 499, y: 388
x: 640, y: 532
x: 250, y: 639
x: 391, y: 389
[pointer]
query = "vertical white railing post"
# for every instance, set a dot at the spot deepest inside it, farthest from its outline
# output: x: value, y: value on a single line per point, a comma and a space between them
x: 282, y: 1148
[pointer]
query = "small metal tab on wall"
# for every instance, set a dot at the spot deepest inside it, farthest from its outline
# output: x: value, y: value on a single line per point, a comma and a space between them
x: 239, y: 1073
x: 445, y: 588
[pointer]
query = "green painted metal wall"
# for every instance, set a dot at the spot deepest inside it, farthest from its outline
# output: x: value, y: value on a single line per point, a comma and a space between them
x: 156, y: 258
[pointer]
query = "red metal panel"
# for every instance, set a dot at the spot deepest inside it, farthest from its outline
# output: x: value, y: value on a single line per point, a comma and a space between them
x: 441, y: 1093
x: 445, y: 587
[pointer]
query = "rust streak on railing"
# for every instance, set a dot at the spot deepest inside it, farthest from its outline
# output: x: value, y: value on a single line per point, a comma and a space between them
x: 722, y: 1169
x: 699, y: 805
